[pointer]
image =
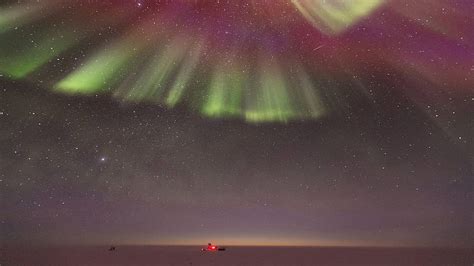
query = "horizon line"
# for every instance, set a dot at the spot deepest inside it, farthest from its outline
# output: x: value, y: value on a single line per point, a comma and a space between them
x: 228, y: 245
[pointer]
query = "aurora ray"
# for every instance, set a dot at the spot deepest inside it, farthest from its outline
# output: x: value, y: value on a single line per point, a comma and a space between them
x: 151, y: 83
x: 336, y: 16
x: 225, y: 92
x: 104, y: 68
x: 40, y: 43
x: 186, y: 72
x: 32, y: 55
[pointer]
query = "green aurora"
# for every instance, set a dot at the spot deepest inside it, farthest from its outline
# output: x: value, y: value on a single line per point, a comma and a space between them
x: 152, y: 62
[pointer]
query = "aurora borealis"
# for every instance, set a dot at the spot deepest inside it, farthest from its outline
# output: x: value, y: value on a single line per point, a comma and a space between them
x: 253, y: 122
x: 262, y: 61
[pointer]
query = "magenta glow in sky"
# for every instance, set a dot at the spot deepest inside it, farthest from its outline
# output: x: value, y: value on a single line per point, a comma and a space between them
x: 247, y: 122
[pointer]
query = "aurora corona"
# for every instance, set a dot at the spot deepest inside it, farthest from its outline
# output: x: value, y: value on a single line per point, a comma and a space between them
x: 257, y: 60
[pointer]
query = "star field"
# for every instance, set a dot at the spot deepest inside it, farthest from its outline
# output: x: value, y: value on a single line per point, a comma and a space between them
x: 252, y: 122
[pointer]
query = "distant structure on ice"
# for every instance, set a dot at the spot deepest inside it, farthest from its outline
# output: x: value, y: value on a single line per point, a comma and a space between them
x: 211, y: 247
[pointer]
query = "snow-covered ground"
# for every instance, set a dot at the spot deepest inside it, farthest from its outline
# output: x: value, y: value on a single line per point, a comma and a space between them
x: 261, y: 256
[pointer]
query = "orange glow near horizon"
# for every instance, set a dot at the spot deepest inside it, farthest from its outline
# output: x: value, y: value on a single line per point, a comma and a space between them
x: 263, y: 241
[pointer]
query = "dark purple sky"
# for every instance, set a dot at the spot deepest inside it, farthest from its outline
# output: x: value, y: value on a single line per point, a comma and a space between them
x: 389, y: 162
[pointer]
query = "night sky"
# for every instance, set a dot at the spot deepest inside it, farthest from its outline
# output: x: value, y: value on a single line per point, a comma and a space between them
x: 304, y: 122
